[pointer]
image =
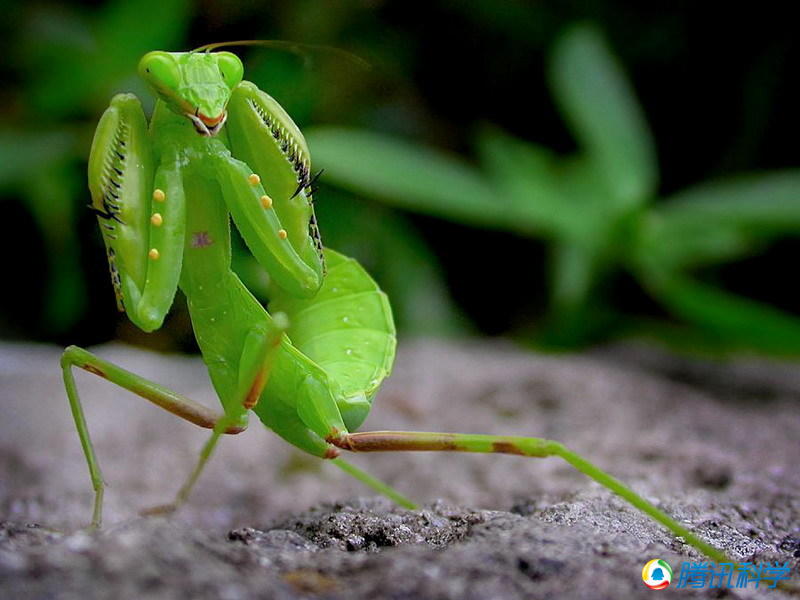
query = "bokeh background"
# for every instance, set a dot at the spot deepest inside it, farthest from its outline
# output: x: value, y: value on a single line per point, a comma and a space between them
x: 560, y: 173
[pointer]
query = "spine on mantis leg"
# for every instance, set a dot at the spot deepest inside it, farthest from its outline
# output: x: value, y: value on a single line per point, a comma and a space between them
x: 263, y: 135
x: 143, y: 241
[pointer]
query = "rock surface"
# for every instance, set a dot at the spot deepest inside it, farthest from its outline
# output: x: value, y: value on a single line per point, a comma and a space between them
x: 715, y: 445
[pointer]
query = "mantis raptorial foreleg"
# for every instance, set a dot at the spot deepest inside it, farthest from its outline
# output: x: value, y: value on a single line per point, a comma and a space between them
x: 142, y: 220
x: 253, y: 212
x: 255, y: 120
x: 166, y: 223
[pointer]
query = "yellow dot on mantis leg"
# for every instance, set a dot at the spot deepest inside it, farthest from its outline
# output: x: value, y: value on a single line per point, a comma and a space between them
x: 254, y: 179
x: 266, y: 201
x: 157, y: 219
x: 282, y: 234
x: 159, y: 195
x: 153, y: 254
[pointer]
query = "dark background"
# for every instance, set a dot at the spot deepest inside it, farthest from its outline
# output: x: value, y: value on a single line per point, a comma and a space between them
x: 716, y: 83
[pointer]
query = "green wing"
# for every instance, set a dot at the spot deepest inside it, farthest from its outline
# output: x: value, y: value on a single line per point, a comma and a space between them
x: 348, y: 330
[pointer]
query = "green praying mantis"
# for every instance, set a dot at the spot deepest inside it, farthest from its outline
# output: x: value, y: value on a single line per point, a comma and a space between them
x: 216, y: 148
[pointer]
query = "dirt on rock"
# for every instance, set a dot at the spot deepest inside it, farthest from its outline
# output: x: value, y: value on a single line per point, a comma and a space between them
x: 715, y: 444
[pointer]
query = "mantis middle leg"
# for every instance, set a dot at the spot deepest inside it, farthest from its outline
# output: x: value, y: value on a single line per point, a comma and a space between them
x: 262, y: 349
x: 258, y: 357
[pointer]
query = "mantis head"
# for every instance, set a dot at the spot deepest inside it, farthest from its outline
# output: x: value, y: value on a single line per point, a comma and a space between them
x: 196, y: 85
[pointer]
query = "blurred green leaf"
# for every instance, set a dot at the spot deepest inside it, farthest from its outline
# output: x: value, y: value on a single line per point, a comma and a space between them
x: 661, y: 248
x: 25, y: 153
x: 124, y: 28
x: 578, y: 312
x: 761, y: 203
x: 599, y: 103
x: 597, y: 219
x: 38, y: 167
x: 83, y: 64
x: 738, y: 321
x: 572, y: 275
x: 720, y: 221
x: 50, y: 200
x: 407, y: 176
x: 526, y: 179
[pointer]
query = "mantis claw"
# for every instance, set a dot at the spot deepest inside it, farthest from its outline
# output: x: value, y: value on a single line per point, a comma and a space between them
x: 308, y: 184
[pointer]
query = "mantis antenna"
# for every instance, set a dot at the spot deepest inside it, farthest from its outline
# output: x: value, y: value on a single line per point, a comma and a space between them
x: 297, y: 48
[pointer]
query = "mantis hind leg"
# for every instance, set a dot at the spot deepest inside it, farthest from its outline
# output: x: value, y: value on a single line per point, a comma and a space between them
x: 377, y: 441
x: 168, y: 400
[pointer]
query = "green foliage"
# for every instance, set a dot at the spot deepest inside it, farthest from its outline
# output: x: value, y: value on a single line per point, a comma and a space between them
x: 597, y: 209
x: 596, y: 212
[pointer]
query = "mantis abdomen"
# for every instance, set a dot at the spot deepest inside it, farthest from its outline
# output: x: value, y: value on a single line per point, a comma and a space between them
x: 347, y: 329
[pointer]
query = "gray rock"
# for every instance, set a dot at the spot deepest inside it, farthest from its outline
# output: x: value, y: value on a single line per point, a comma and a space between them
x: 704, y: 441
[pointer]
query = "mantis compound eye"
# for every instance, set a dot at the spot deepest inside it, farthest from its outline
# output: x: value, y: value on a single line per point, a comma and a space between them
x: 230, y: 67
x: 160, y: 70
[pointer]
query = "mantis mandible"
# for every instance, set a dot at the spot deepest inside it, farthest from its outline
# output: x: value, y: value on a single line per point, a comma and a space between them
x: 218, y: 147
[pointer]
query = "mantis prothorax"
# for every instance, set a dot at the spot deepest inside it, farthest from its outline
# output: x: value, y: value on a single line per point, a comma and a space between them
x: 216, y: 147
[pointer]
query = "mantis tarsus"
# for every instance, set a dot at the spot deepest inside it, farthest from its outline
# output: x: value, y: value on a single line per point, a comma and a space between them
x: 217, y: 147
